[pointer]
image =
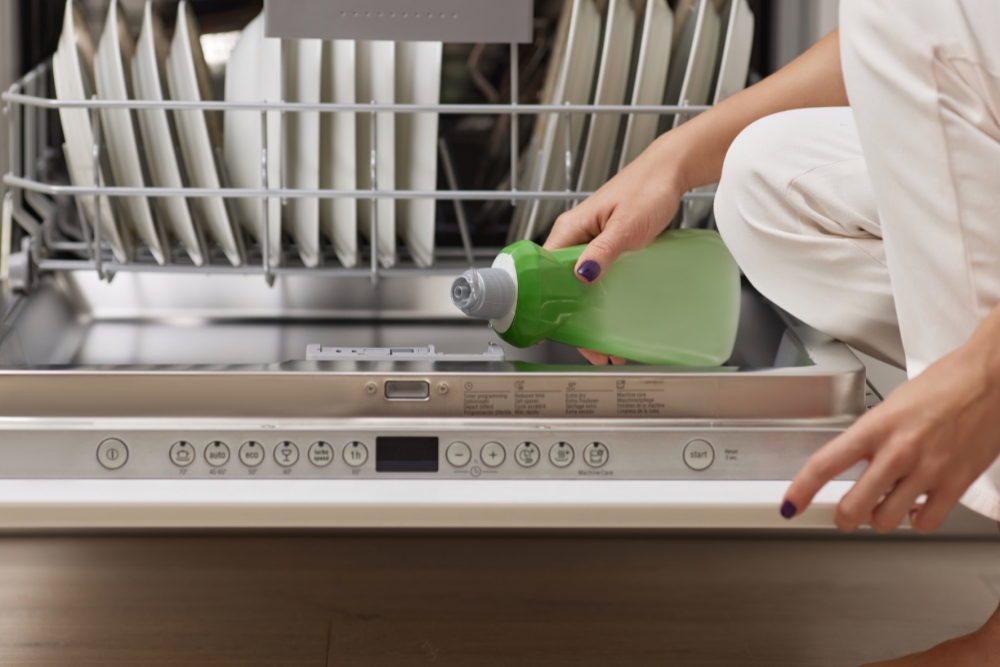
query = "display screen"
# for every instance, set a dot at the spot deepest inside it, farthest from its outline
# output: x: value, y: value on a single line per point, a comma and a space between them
x: 406, y: 454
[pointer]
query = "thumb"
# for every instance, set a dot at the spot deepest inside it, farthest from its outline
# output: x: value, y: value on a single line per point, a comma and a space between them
x: 618, y: 236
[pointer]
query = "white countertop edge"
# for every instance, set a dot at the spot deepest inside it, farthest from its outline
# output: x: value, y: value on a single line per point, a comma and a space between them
x: 126, y: 504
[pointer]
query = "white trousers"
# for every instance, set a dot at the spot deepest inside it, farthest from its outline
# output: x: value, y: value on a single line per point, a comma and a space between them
x: 879, y: 224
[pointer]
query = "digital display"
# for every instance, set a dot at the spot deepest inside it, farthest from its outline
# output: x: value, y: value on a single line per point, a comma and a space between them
x: 406, y: 454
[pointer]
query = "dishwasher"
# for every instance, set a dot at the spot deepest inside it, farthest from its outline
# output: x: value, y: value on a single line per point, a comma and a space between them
x: 275, y: 395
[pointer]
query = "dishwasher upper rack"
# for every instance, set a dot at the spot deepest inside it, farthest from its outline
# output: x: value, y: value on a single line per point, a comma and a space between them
x: 28, y: 101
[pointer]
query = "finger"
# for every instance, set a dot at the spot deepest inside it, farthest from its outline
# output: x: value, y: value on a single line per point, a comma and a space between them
x: 834, y: 458
x: 575, y: 227
x: 620, y: 234
x: 898, y: 504
x: 932, y: 513
x: 618, y: 361
x: 596, y: 358
x: 887, y: 468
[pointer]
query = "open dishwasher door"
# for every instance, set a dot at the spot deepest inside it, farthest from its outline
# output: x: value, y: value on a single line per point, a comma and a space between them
x: 188, y: 401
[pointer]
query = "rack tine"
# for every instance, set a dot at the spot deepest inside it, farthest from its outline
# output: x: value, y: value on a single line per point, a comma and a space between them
x: 373, y: 166
x: 568, y: 135
x: 265, y: 209
x: 95, y: 123
x: 5, y: 232
x: 515, y: 142
x: 283, y: 180
x: 463, y: 223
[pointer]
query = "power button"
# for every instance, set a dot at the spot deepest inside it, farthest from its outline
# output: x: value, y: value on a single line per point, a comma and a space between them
x: 112, y: 453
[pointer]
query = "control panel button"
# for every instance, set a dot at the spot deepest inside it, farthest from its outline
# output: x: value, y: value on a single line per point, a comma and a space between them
x: 596, y: 454
x: 182, y: 454
x: 561, y: 454
x: 458, y: 454
x: 286, y: 454
x: 112, y: 453
x: 217, y: 454
x: 527, y: 454
x: 320, y: 454
x: 492, y: 454
x: 699, y: 455
x: 355, y: 454
x: 251, y: 454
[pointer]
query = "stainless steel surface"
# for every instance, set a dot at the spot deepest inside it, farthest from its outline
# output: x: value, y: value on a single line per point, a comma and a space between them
x: 228, y: 346
x: 412, y: 20
x: 493, y: 353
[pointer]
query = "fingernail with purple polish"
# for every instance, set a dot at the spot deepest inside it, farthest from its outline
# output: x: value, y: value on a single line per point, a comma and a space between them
x: 589, y: 270
x: 788, y: 509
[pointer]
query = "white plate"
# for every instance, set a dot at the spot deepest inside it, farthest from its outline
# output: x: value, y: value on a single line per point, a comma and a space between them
x: 198, y: 131
x: 113, y: 51
x: 574, y: 85
x: 530, y: 174
x: 651, y: 69
x: 612, y: 84
x: 157, y: 138
x: 736, y: 49
x: 699, y: 75
x: 376, y: 80
x: 241, y: 129
x: 683, y: 44
x: 338, y: 166
x: 692, y: 70
x: 253, y: 74
x: 303, y: 58
x: 733, y: 65
x: 72, y: 69
x: 418, y: 81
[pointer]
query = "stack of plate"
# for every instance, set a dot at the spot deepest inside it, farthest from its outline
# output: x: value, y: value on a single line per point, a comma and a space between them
x: 696, y: 54
x: 333, y: 150
x: 209, y: 149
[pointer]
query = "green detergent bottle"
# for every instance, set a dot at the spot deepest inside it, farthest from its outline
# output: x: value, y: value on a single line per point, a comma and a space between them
x: 675, y: 302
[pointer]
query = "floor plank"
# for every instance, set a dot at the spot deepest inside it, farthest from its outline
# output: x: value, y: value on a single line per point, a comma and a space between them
x: 484, y: 600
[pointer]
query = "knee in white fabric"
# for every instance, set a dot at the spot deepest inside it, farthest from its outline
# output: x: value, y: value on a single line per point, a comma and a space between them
x: 750, y: 196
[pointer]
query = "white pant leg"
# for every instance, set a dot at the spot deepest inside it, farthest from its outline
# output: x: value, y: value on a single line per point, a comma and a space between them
x: 923, y: 78
x: 796, y: 208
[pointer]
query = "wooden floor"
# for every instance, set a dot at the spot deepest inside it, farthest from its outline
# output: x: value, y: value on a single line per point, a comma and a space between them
x: 484, y: 601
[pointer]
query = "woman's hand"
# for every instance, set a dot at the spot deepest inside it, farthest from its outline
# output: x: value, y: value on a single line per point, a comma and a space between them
x: 627, y: 213
x: 934, y: 435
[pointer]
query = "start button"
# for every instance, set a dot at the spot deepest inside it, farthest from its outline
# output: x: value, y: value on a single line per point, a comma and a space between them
x: 699, y: 455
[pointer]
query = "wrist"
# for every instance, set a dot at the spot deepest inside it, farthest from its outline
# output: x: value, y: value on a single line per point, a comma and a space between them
x: 676, y: 155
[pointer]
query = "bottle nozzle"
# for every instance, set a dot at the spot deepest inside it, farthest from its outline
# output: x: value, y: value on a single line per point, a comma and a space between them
x: 486, y: 293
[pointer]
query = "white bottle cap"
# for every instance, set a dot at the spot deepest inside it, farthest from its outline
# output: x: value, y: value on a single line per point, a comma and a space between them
x: 485, y: 293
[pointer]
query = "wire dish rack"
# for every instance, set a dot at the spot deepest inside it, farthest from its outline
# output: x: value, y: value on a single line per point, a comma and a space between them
x: 36, y: 190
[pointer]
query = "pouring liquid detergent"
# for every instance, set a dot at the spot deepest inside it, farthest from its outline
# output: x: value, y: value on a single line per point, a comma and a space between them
x: 675, y: 302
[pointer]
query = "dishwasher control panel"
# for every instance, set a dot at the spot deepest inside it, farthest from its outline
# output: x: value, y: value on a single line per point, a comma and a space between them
x: 497, y: 452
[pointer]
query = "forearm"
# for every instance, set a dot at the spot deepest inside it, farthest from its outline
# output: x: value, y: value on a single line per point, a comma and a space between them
x: 698, y: 148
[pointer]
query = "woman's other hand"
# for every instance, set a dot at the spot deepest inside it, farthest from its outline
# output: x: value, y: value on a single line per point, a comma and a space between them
x: 934, y: 435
